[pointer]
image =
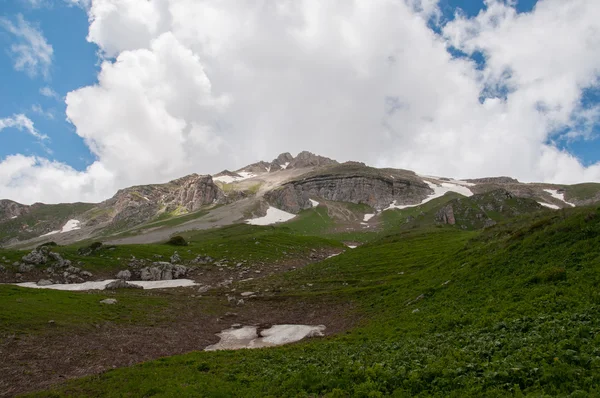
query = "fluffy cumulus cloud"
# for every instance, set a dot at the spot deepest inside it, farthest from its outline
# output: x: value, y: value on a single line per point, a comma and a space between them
x: 198, y: 86
x: 31, y: 51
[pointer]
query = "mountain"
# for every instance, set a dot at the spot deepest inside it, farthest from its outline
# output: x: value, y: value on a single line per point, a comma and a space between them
x: 150, y: 213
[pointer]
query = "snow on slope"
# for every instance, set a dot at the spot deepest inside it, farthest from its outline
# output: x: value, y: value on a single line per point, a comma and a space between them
x: 367, y: 217
x: 559, y: 196
x: 439, y: 190
x: 102, y: 284
x: 229, y: 179
x: 71, y: 225
x: 314, y: 203
x: 248, y: 336
x: 551, y: 206
x: 273, y: 216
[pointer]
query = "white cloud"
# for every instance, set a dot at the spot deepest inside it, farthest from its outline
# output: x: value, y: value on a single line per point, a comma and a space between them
x: 201, y: 86
x: 37, y: 108
x: 22, y: 123
x: 31, y: 52
x: 47, y: 91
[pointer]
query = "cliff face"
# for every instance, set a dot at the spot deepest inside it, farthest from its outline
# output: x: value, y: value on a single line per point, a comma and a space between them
x: 10, y: 209
x: 138, y: 204
x: 374, y: 190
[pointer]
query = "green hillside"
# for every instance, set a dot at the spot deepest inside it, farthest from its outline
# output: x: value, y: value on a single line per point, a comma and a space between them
x: 512, y: 310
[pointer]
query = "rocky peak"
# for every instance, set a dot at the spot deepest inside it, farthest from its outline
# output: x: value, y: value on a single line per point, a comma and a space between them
x: 281, y: 162
x: 10, y: 209
x: 308, y: 159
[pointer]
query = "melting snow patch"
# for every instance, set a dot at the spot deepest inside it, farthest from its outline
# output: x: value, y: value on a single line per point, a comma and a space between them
x: 551, y: 206
x: 50, y: 233
x: 367, y: 217
x: 285, y: 165
x: 71, y: 225
x: 229, y: 179
x: 314, y: 203
x: 13, y: 217
x: 273, y: 216
x: 439, y: 190
x: 248, y: 336
x: 100, y: 285
x: 559, y: 196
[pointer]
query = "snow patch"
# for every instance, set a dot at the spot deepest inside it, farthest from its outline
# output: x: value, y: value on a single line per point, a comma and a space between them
x: 314, y: 203
x: 559, y: 196
x: 100, y: 285
x: 248, y: 336
x: 367, y: 217
x: 71, y: 225
x: 352, y: 246
x: 13, y: 217
x: 439, y: 190
x: 229, y: 179
x: 551, y: 206
x: 273, y: 216
x: 50, y: 233
x: 285, y: 165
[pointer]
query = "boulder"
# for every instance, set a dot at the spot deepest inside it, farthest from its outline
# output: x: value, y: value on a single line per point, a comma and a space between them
x: 109, y: 301
x: 121, y: 284
x: 44, y: 282
x: 124, y: 275
x: 24, y: 268
x: 150, y: 274
x: 86, y: 274
x: 35, y: 257
x: 175, y: 258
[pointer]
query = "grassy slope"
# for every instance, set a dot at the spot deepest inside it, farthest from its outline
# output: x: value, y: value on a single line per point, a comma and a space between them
x: 235, y: 243
x: 26, y: 311
x: 510, y: 311
x: 42, y: 218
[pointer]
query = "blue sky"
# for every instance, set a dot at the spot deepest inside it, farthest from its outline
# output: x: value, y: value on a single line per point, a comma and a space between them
x: 75, y: 64
x: 252, y: 130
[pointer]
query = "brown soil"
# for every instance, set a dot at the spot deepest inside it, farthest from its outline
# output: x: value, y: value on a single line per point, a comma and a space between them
x: 37, y: 362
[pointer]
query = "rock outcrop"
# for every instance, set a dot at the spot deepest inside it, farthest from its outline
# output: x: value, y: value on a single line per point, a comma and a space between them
x: 161, y: 271
x: 366, y: 186
x: 10, y: 210
x: 483, y: 210
x: 135, y: 205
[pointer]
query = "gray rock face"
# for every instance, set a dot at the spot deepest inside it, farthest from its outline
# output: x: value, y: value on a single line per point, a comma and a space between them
x: 281, y: 162
x: 376, y: 191
x: 161, y: 271
x: 175, y: 258
x: 10, y: 209
x: 35, y: 257
x: 308, y: 159
x: 132, y: 206
x: 124, y: 275
x: 24, y: 268
x: 121, y: 284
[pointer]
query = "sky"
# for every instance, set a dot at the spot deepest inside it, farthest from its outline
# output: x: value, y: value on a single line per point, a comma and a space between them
x: 98, y: 95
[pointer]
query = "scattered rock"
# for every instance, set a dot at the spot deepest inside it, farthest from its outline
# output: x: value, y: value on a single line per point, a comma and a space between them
x: 25, y: 268
x: 124, y: 275
x: 175, y: 258
x: 121, y: 284
x: 203, y: 289
x: 109, y: 301
x: 36, y: 257
x: 247, y: 294
x: 86, y: 274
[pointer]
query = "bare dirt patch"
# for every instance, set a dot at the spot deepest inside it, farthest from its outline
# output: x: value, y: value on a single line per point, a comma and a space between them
x: 36, y: 362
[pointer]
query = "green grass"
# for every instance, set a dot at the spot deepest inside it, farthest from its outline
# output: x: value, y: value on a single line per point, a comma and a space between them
x: 513, y: 310
x: 582, y: 191
x: 27, y: 311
